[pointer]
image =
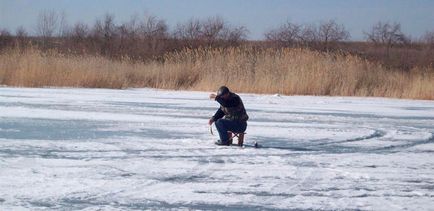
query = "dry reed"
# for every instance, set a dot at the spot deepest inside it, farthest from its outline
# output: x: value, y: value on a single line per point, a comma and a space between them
x: 243, y: 69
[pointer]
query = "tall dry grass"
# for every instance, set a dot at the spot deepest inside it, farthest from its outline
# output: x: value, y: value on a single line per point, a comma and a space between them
x: 285, y: 71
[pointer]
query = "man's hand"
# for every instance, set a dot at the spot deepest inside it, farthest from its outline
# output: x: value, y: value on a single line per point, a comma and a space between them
x: 210, y: 121
x: 212, y: 96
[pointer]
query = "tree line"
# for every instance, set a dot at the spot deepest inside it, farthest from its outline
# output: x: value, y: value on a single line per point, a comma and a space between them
x: 139, y: 38
x: 149, y: 37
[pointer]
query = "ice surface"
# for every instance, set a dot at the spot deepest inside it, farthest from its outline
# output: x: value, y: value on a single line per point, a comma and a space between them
x: 99, y: 149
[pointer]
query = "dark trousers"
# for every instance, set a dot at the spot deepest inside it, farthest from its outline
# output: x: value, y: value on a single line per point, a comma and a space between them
x: 225, y: 125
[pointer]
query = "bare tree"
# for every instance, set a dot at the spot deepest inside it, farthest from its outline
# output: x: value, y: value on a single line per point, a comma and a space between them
x: 212, y: 28
x: 21, y: 32
x: 21, y: 36
x: 130, y: 37
x: 4, y: 33
x: 47, y: 24
x: 132, y: 27
x: 291, y: 34
x: 234, y: 35
x: 152, y: 27
x: 428, y: 38
x: 125, y: 31
x: 309, y: 34
x: 103, y: 33
x: 79, y: 31
x: 153, y: 32
x: 287, y: 34
x: 332, y: 32
x: 210, y: 31
x: 5, y: 37
x: 191, y: 30
x: 105, y: 28
x: 386, y: 33
x: 63, y: 25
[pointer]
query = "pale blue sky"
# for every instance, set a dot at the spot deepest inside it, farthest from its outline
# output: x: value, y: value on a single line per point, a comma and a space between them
x: 415, y: 16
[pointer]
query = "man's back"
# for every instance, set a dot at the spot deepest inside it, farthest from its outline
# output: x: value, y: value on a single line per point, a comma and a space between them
x: 233, y: 108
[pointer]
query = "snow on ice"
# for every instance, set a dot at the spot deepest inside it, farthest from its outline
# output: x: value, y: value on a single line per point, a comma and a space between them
x: 139, y: 149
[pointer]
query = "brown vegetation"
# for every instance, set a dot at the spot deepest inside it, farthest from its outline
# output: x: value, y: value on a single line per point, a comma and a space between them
x: 244, y: 69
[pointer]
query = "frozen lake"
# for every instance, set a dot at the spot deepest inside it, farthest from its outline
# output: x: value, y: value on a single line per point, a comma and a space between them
x: 140, y: 149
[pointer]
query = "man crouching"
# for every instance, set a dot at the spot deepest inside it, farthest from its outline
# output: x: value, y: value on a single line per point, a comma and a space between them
x: 233, y: 111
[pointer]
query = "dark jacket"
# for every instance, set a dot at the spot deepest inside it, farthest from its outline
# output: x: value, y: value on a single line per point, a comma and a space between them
x: 232, y: 108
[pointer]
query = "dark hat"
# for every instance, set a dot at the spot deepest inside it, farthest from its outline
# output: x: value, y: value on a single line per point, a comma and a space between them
x: 222, y: 91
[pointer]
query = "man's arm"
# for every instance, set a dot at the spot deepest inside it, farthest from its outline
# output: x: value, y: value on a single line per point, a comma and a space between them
x: 218, y: 114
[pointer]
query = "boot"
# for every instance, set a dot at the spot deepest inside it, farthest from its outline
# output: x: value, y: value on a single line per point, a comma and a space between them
x: 220, y: 143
